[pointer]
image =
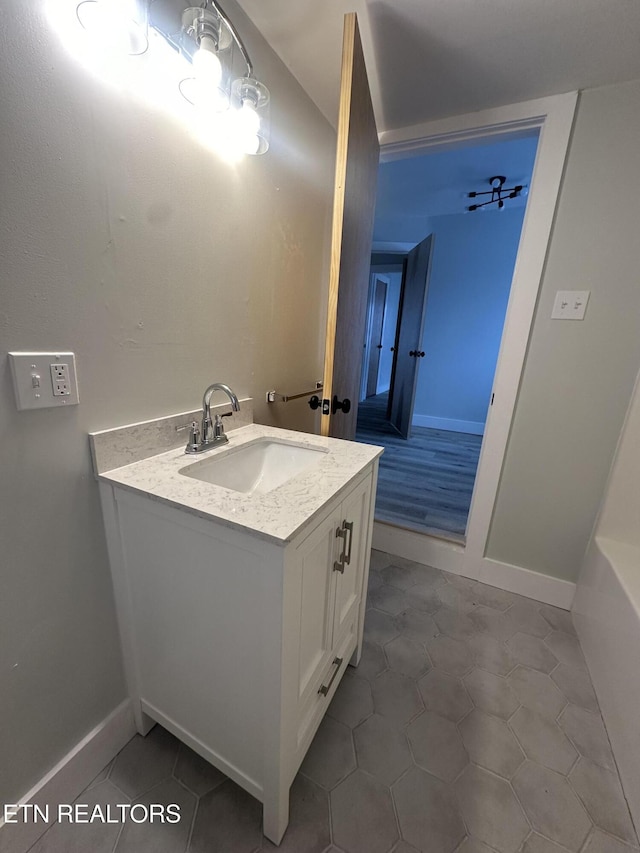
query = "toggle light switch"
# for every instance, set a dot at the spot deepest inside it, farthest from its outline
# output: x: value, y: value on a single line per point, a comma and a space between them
x: 570, y: 305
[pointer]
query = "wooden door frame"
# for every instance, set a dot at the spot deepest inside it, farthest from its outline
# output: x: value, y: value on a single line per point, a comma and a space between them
x: 553, y: 117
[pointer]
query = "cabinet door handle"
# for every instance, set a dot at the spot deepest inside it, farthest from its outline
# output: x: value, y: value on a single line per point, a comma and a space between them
x: 325, y: 688
x: 339, y: 565
x: 348, y: 528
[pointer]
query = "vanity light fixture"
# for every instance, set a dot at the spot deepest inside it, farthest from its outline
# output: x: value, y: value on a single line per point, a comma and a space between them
x: 498, y: 193
x: 208, y: 44
x: 222, y: 78
x: 208, y: 38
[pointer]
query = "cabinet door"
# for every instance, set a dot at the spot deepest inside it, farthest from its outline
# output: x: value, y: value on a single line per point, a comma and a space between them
x: 354, y: 522
x: 315, y: 558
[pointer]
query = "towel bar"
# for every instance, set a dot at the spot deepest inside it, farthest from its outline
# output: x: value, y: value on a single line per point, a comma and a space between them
x: 275, y: 397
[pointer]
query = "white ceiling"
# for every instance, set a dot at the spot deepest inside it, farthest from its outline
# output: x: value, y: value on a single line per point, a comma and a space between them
x: 430, y: 59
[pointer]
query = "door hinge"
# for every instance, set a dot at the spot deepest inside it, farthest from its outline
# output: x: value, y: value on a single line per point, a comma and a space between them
x: 492, y: 396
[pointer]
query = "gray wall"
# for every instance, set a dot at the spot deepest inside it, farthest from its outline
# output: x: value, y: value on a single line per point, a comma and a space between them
x: 578, y: 376
x: 163, y: 268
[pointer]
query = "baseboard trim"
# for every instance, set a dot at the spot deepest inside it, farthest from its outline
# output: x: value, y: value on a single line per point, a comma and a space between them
x: 523, y: 581
x: 449, y: 424
x: 70, y: 776
x: 452, y: 557
x: 430, y: 550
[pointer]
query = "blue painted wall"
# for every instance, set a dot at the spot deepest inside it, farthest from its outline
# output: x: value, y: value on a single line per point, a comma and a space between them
x: 472, y: 268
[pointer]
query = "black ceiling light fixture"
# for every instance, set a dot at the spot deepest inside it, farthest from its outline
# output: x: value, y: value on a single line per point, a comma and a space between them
x: 498, y: 193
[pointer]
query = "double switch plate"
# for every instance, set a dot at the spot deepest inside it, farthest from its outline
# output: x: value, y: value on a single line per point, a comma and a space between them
x: 570, y: 305
x: 44, y: 379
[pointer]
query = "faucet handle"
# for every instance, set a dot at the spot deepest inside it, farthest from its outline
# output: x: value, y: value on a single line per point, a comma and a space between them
x: 218, y: 427
x: 194, y: 436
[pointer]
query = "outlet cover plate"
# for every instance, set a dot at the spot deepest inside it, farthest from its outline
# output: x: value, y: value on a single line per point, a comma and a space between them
x: 32, y: 374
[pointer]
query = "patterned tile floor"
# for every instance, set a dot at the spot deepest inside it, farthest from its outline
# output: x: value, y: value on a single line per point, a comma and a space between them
x: 470, y: 726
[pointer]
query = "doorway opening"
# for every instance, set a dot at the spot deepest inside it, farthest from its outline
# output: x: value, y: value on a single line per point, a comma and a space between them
x: 439, y: 287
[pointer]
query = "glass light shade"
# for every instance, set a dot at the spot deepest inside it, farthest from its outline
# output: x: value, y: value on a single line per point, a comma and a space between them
x: 251, y: 101
x: 209, y: 45
x: 117, y: 26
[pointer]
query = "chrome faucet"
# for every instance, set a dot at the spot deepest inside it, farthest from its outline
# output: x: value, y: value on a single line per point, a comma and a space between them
x: 211, y: 433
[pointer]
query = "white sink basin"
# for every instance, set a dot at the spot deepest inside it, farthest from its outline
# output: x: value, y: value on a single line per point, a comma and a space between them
x: 259, y: 466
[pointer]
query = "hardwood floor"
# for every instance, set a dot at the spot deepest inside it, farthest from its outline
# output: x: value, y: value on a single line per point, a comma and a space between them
x: 425, y: 483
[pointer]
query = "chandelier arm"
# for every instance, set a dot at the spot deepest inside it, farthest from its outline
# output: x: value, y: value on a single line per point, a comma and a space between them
x: 501, y: 190
x: 234, y: 33
x: 485, y: 203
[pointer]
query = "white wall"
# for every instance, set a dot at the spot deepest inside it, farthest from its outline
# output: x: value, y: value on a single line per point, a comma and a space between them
x: 578, y: 376
x: 163, y: 269
x: 471, y: 271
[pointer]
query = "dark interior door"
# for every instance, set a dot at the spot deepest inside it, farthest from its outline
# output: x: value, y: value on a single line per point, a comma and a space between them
x: 409, y: 336
x: 375, y: 341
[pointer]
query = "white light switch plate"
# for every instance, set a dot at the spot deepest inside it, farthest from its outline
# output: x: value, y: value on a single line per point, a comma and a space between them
x: 44, y: 379
x: 570, y: 305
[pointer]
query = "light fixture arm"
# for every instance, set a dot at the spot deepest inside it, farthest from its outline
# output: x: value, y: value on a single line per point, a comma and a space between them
x: 234, y: 33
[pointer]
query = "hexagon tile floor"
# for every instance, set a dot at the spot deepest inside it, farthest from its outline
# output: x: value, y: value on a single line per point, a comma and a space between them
x: 470, y: 726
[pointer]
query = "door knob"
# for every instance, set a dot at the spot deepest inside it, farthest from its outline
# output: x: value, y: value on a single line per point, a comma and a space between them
x: 414, y: 353
x: 336, y: 405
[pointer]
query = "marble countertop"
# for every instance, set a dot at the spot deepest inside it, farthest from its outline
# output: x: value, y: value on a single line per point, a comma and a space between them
x: 277, y: 515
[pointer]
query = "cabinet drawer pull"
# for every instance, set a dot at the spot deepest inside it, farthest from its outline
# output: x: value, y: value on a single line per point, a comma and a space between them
x: 325, y: 688
x: 348, y: 528
x: 339, y: 565
x: 345, y: 557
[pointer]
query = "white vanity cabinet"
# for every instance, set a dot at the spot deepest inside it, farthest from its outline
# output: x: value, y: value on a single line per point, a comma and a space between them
x: 234, y: 642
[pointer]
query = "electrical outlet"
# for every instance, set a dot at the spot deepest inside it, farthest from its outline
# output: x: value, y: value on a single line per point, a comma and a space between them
x: 60, y: 379
x: 32, y: 388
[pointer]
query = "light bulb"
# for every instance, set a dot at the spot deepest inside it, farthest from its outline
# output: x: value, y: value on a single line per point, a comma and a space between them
x: 248, y: 127
x: 206, y: 65
x: 207, y: 87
